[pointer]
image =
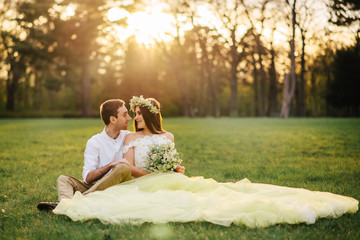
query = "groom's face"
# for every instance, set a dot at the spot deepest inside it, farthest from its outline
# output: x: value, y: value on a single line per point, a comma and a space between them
x: 123, y: 118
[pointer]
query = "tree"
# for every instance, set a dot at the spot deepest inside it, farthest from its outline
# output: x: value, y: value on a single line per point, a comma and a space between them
x: 343, y: 90
x: 290, y: 79
x: 78, y: 43
x: 204, y: 44
x: 344, y: 12
x: 273, y: 83
x: 139, y: 72
x: 175, y: 54
x: 231, y: 14
x: 302, y: 23
x: 260, y: 51
x: 320, y: 77
x: 82, y: 43
x: 25, y: 44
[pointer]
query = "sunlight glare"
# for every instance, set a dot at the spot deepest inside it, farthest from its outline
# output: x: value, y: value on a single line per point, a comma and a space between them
x: 148, y: 26
x: 69, y: 12
x: 115, y: 14
x: 206, y: 17
x: 151, y: 26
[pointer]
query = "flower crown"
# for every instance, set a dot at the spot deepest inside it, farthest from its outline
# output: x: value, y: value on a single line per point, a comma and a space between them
x: 141, y: 102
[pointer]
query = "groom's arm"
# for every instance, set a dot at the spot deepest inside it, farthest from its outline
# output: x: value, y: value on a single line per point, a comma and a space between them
x: 91, y: 170
x: 100, y: 172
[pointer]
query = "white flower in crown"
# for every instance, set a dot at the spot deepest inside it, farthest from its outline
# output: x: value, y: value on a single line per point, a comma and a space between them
x: 141, y: 102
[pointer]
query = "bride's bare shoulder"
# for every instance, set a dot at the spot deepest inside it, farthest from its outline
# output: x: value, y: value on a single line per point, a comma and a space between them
x: 131, y: 137
x: 169, y: 135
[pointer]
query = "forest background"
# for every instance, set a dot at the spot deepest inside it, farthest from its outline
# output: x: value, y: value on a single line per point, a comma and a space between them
x: 63, y: 58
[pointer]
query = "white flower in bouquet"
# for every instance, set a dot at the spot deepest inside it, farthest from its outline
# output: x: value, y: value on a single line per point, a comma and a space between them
x: 163, y: 157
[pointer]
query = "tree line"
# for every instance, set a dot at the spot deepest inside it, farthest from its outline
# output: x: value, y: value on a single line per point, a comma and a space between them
x: 258, y: 58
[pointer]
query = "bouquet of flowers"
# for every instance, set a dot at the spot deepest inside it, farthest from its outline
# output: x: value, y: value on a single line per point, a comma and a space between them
x: 163, y: 157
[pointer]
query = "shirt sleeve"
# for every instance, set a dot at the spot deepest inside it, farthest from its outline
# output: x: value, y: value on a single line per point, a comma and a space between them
x: 91, y: 158
x: 127, y: 147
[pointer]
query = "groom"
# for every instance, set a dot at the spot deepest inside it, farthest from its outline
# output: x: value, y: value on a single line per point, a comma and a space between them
x: 104, y: 165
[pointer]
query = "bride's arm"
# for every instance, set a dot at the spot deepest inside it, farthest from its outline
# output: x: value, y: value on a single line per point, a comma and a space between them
x: 135, y: 171
x: 130, y: 156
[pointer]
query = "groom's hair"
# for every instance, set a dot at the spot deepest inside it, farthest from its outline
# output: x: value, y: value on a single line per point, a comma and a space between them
x: 109, y: 108
x: 153, y: 121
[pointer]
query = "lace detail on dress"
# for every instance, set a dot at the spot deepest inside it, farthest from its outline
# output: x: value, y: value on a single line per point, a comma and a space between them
x: 141, y: 147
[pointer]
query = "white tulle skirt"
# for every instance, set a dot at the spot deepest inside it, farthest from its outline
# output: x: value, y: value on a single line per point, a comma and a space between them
x: 172, y: 197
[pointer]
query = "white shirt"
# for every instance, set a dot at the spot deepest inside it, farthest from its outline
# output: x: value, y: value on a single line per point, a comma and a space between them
x: 101, y: 150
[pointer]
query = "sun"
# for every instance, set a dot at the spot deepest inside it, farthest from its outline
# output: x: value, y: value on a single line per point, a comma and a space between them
x: 151, y: 27
x: 147, y: 26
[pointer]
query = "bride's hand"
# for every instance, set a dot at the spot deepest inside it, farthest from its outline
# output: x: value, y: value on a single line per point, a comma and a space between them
x: 180, y: 169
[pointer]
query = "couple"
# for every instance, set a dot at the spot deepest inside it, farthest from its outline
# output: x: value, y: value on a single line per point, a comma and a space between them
x: 172, y: 197
x: 104, y: 165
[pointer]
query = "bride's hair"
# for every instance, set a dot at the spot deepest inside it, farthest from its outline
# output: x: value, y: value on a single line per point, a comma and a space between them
x: 153, y: 121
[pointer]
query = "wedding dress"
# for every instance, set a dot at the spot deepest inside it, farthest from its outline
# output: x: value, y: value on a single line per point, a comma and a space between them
x: 173, y: 197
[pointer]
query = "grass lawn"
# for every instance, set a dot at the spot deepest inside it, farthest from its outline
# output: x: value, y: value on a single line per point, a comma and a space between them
x: 317, y: 154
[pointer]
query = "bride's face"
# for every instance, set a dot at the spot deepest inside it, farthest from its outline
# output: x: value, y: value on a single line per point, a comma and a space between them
x: 139, y: 119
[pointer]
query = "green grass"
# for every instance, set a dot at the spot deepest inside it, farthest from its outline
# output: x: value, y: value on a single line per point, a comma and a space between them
x: 317, y: 154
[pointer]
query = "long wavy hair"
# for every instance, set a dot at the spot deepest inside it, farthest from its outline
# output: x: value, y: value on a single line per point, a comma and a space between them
x: 153, y: 121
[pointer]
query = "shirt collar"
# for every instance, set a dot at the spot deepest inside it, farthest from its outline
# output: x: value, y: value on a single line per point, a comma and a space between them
x: 106, y: 136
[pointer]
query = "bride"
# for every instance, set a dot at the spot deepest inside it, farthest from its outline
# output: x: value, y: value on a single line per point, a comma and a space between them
x: 173, y: 197
x: 148, y: 132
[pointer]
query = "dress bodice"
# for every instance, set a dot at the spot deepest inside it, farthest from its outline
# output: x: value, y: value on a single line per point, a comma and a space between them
x: 142, y: 145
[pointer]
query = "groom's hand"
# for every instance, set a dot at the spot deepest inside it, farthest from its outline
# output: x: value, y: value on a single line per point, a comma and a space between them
x: 124, y: 160
x: 117, y: 162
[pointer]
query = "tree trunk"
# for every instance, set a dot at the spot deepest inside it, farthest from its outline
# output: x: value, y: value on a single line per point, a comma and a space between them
x: 289, y: 86
x: 314, y: 104
x: 201, y: 89
x: 259, y: 50
x: 290, y: 81
x: 38, y: 93
x: 272, y: 95
x: 301, y: 97
x: 27, y: 93
x: 287, y: 97
x: 213, y: 93
x: 328, y: 81
x: 177, y: 66
x: 233, y: 78
x: 209, y: 103
x: 255, y: 87
x: 214, y: 105
x: 262, y: 76
x: 86, y: 88
x: 179, y: 75
x: 262, y: 87
x: 233, y: 93
x: 188, y: 110
x: 11, y: 86
x: 357, y: 40
x: 10, y: 99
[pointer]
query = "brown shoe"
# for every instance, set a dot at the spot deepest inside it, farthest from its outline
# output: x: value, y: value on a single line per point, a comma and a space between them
x: 47, y: 206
